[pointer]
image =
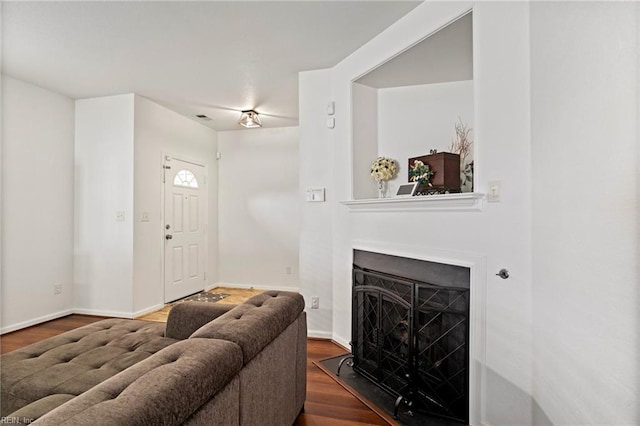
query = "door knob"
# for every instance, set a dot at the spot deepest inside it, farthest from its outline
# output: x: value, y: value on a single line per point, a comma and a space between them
x: 168, y: 236
x: 503, y: 273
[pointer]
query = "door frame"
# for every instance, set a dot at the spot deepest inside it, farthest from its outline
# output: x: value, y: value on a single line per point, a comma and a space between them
x: 164, y: 159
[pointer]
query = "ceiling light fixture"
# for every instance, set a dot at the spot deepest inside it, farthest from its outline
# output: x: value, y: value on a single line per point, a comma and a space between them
x: 250, y: 119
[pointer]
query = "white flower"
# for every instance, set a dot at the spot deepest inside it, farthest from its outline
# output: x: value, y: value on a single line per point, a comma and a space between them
x: 383, y: 168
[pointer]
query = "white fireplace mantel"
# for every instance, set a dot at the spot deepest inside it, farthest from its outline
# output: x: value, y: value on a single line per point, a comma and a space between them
x: 468, y: 201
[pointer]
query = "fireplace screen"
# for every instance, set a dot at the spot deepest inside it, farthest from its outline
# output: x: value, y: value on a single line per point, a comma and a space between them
x: 411, y: 339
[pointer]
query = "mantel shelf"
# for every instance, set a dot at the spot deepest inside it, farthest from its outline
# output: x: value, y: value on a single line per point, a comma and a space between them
x: 468, y: 201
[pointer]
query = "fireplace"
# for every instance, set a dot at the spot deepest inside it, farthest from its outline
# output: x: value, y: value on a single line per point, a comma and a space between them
x: 410, y: 331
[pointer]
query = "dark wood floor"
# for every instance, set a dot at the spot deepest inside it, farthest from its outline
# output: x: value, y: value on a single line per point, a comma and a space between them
x: 18, y: 339
x: 327, y: 402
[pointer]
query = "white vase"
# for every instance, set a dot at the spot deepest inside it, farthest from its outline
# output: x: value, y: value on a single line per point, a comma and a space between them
x: 382, y: 188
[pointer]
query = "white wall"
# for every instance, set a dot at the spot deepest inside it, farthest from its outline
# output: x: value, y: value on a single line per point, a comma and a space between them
x: 499, y: 235
x: 556, y: 121
x: 158, y: 132
x: 37, y: 202
x: 120, y: 143
x: 38, y: 170
x: 259, y: 208
x: 585, y: 92
x: 415, y: 119
x: 103, y: 262
x: 366, y: 122
x: 315, y: 222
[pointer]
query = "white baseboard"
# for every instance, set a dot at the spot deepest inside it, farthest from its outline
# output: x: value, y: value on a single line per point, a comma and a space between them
x: 100, y: 313
x: 257, y: 287
x: 130, y: 315
x: 35, y: 321
x: 342, y: 342
x: 148, y: 310
x: 319, y: 334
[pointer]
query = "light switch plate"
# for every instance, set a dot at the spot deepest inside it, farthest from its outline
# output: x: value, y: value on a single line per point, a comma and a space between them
x: 494, y: 191
x: 315, y: 194
x: 331, y: 108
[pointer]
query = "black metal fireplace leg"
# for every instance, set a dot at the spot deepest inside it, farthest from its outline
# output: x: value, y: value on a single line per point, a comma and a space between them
x: 401, y: 399
x: 342, y: 361
x: 396, y: 406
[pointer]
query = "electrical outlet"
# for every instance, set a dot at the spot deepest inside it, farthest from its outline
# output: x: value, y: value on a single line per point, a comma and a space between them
x: 287, y: 270
x: 57, y: 289
x: 315, y: 302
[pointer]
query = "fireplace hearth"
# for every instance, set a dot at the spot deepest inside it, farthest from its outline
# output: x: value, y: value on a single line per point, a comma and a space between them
x: 410, y: 332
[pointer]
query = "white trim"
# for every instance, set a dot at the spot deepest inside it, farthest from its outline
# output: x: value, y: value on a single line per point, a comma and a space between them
x: 477, y: 263
x: 257, y: 287
x: 36, y: 321
x: 132, y: 315
x: 467, y: 201
x: 169, y: 157
x: 148, y: 310
x: 100, y: 313
x: 341, y: 342
x: 94, y: 312
x: 316, y: 334
x: 210, y: 287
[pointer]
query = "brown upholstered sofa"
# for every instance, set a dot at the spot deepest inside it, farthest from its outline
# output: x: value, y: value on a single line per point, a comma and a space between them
x: 213, y: 364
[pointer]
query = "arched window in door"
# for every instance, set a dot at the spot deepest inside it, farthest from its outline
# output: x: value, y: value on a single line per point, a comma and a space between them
x: 185, y: 178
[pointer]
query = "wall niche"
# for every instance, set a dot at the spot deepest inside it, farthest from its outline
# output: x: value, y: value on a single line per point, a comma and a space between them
x: 410, y: 105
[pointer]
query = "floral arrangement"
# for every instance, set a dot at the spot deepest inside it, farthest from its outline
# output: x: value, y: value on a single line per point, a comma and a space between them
x: 383, y: 169
x: 420, y: 173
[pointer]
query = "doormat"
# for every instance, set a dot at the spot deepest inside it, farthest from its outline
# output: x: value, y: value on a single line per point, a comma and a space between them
x: 375, y: 398
x: 203, y: 296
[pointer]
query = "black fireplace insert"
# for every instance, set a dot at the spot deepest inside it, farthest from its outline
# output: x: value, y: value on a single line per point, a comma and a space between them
x: 411, y: 337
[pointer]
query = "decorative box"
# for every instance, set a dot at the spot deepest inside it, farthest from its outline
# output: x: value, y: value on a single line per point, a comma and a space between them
x: 446, y: 169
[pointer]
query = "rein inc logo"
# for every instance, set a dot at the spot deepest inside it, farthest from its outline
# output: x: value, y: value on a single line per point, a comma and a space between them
x: 16, y: 420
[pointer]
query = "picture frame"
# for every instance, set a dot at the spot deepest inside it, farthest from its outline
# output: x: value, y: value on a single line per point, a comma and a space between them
x: 407, y: 189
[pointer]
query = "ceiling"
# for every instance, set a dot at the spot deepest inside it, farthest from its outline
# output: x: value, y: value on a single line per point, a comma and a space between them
x: 213, y: 58
x: 444, y: 56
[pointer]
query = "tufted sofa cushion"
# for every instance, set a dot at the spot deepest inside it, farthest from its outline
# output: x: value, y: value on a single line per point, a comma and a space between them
x: 164, y: 389
x: 57, y: 369
x: 256, y: 322
x: 186, y: 317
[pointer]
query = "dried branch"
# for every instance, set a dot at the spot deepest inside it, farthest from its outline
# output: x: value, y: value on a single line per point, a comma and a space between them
x: 461, y: 144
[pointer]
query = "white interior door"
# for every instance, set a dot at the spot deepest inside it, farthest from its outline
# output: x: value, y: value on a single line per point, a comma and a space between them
x: 185, y: 203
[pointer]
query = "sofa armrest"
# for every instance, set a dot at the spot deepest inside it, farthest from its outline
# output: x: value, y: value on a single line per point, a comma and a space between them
x: 255, y: 323
x: 186, y: 317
